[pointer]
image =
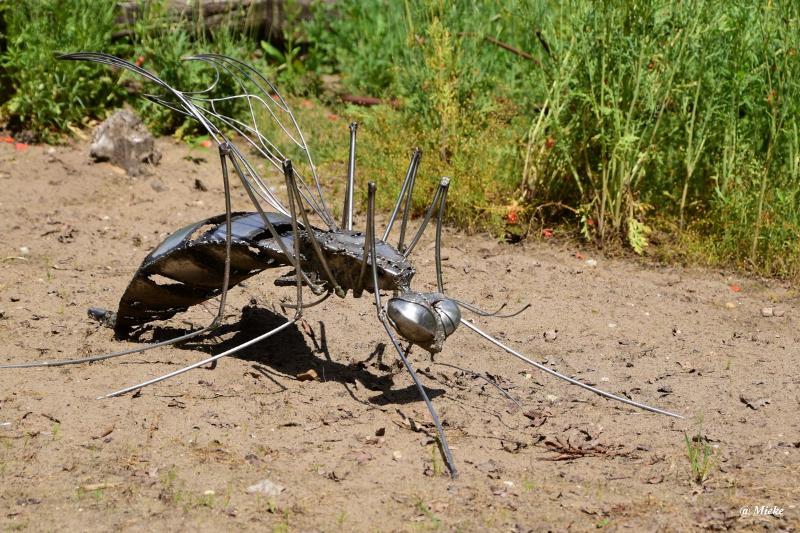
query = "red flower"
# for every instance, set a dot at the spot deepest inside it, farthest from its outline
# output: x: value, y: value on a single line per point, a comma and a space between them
x: 735, y: 288
x: 20, y: 147
x: 512, y: 217
x: 9, y: 140
x: 205, y: 143
x: 547, y: 233
x: 139, y: 61
x: 549, y: 143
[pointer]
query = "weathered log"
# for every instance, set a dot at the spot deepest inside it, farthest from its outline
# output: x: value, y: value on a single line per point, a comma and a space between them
x: 265, y: 18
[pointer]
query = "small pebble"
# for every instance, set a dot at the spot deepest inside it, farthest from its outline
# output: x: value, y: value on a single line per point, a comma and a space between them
x: 265, y: 486
x: 779, y: 312
x: 551, y: 398
x: 24, y: 250
x: 551, y: 335
x: 396, y: 455
x: 591, y: 262
x: 730, y: 305
x: 209, y: 493
x: 767, y: 312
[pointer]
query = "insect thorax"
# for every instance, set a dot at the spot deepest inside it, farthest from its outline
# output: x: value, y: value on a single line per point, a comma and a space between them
x: 344, y: 252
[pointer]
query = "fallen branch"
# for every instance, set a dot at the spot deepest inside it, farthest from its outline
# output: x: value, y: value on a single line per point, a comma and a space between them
x: 368, y: 101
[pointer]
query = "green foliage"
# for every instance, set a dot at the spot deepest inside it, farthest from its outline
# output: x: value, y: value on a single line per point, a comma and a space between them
x: 612, y: 117
x: 702, y: 458
x: 47, y: 95
x: 618, y: 116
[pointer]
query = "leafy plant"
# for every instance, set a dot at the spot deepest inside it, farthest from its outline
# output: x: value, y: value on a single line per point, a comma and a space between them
x: 49, y: 97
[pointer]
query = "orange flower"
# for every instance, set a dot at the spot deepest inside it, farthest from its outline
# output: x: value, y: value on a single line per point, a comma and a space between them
x: 20, y: 147
x: 735, y: 288
x: 139, y: 61
x: 512, y: 217
x: 547, y: 233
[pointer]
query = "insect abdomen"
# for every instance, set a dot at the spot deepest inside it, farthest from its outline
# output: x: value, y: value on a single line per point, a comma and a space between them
x: 187, y: 268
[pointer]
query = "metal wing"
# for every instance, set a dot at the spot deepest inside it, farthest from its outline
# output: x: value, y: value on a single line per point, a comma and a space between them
x: 265, y: 109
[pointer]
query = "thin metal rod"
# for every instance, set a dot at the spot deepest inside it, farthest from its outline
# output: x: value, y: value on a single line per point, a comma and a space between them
x: 291, y: 186
x: 347, y: 210
x: 566, y: 378
x: 289, y: 305
x: 496, y: 314
x: 443, y: 184
x: 410, y: 176
x: 200, y: 363
x: 369, y: 234
x: 407, y: 208
x: 382, y: 317
x: 289, y: 175
x: 224, y: 153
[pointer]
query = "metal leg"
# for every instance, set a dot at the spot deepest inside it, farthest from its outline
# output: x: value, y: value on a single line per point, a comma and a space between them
x: 411, y: 175
x: 224, y: 153
x: 440, y: 275
x: 443, y: 185
x: 273, y: 232
x: 291, y: 187
x: 347, y: 210
x: 438, y: 245
x: 407, y: 206
x: 201, y: 363
x: 566, y: 378
x: 382, y: 317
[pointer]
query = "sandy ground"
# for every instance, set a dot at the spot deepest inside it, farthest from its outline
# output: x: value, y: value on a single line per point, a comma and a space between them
x: 353, y: 449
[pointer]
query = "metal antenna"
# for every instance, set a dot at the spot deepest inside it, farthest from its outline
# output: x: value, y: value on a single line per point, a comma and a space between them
x: 347, y: 211
x: 568, y: 379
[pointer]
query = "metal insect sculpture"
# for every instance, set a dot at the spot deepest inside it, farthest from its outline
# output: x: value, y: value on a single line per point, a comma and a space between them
x: 204, y: 260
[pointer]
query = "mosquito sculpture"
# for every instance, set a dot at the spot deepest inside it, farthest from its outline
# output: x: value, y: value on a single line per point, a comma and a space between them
x: 204, y: 260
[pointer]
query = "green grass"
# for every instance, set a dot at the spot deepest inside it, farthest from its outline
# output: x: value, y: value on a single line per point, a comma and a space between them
x: 702, y: 458
x: 667, y: 128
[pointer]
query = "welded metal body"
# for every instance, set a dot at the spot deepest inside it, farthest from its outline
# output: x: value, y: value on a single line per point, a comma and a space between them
x: 187, y: 267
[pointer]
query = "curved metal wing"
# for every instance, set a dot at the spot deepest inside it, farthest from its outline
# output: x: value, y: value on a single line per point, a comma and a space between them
x: 264, y: 108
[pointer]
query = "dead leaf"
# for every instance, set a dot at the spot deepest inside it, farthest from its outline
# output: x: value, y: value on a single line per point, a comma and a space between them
x: 308, y: 375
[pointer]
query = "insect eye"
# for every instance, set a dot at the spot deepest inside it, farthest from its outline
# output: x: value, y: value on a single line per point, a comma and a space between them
x: 450, y: 314
x: 414, y: 321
